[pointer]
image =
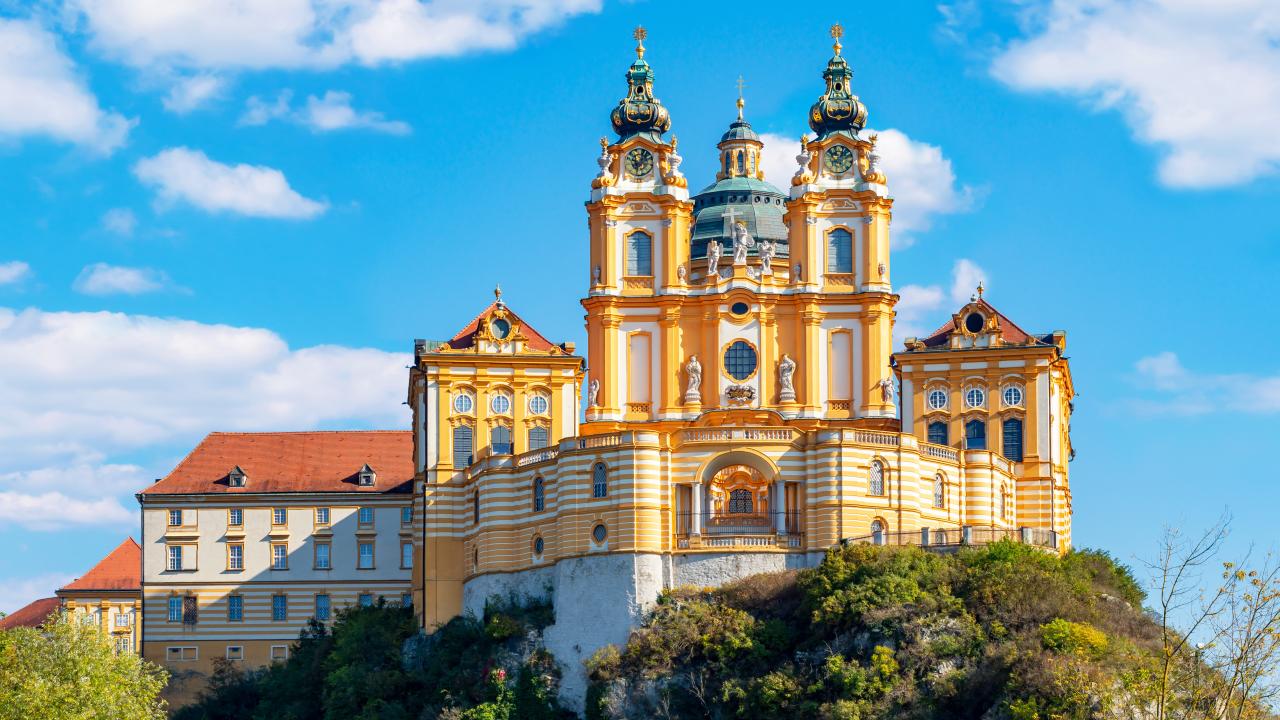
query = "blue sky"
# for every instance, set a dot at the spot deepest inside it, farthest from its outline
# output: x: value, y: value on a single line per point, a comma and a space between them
x: 218, y: 219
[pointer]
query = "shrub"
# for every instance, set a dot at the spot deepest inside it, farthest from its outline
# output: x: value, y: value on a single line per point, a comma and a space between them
x: 1064, y: 636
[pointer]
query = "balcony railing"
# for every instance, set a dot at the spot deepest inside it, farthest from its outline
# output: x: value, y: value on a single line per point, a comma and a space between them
x: 740, y: 530
x: 969, y: 535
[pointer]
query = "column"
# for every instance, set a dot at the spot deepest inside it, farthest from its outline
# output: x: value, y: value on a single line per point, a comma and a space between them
x: 695, y: 522
x: 780, y: 505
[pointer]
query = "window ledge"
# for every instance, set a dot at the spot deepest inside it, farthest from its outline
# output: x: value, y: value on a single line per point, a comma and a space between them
x: 235, y: 532
x: 279, y: 532
x: 183, y: 532
x: 323, y: 531
x: 367, y: 530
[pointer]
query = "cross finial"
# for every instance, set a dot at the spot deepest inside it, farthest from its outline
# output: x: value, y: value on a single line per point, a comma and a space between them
x: 640, y: 34
x: 741, y: 84
x: 837, y: 32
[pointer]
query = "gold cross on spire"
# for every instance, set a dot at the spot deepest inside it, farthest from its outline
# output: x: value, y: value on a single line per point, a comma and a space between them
x: 741, y: 84
x: 837, y: 32
x: 640, y: 34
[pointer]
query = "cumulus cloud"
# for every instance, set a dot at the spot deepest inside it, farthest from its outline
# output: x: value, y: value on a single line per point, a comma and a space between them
x: 214, y: 34
x: 120, y: 221
x: 321, y: 114
x: 184, y: 175
x: 45, y: 96
x: 13, y: 272
x: 17, y: 593
x: 921, y: 179
x: 104, y: 279
x: 189, y: 93
x: 1174, y: 388
x: 1198, y: 79
x: 920, y: 305
x: 157, y: 386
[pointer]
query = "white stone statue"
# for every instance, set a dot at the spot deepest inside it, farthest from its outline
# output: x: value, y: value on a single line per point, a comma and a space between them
x: 593, y: 393
x: 767, y: 249
x: 802, y: 160
x: 604, y: 161
x: 742, y: 242
x: 673, y: 163
x: 682, y: 272
x: 595, y: 275
x: 797, y: 273
x: 886, y: 389
x: 713, y: 258
x: 786, y: 371
x: 693, y: 391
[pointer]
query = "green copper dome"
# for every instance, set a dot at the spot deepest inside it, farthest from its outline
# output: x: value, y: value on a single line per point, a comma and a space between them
x: 838, y: 109
x: 640, y: 112
x: 740, y: 130
x: 755, y: 203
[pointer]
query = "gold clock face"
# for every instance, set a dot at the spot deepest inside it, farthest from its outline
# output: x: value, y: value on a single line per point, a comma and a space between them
x: 639, y: 163
x: 839, y: 159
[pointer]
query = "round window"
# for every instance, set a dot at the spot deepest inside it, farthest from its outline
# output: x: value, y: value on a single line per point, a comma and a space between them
x: 537, y: 545
x: 937, y: 399
x: 975, y: 397
x: 739, y: 308
x: 501, y: 404
x: 1013, y: 396
x: 599, y: 533
x: 973, y: 322
x: 463, y: 404
x: 501, y: 328
x: 740, y: 360
x: 538, y: 405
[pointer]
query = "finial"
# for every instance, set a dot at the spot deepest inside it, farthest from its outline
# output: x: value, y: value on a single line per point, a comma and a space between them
x: 741, y: 102
x: 874, y: 137
x: 837, y: 32
x: 674, y: 142
x: 497, y: 293
x: 980, y: 289
x: 604, y: 143
x: 640, y: 34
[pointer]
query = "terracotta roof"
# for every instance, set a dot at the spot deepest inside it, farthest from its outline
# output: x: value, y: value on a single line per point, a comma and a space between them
x: 294, y: 462
x: 1013, y: 335
x: 534, y: 339
x: 120, y: 570
x: 33, y: 615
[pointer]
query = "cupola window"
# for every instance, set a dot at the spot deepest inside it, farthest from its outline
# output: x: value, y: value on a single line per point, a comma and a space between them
x: 462, y: 445
x: 538, y: 438
x: 599, y: 481
x: 975, y: 397
x: 939, y: 492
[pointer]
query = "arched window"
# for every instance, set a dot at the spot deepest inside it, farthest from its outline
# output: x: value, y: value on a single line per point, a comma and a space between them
x: 539, y: 495
x: 1004, y: 503
x: 599, y: 481
x: 639, y: 254
x: 975, y: 435
x: 500, y: 440
x: 538, y: 438
x: 939, y: 491
x: 878, y: 530
x: 740, y: 501
x: 1011, y: 439
x: 938, y: 432
x: 839, y: 251
x: 728, y: 163
x: 875, y: 481
x: 463, y: 445
x: 475, y: 506
x: 742, y: 167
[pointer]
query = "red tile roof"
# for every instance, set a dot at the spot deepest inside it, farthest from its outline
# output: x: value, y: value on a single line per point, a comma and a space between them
x: 533, y: 339
x: 33, y: 615
x: 294, y: 462
x: 1012, y: 334
x: 120, y: 570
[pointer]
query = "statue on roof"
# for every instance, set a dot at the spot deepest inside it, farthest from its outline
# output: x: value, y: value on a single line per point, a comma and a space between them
x: 713, y: 258
x: 767, y: 249
x: 742, y: 242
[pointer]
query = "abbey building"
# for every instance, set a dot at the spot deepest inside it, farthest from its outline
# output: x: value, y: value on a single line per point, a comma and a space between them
x: 738, y: 407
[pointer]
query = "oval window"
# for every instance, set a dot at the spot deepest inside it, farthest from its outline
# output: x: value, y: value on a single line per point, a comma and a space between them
x: 501, y: 404
x: 538, y: 405
x: 974, y: 322
x: 599, y: 533
x: 740, y: 360
x: 739, y: 308
x: 501, y: 328
x: 537, y: 545
x: 1013, y: 396
x: 462, y: 404
x: 975, y: 397
x: 937, y: 399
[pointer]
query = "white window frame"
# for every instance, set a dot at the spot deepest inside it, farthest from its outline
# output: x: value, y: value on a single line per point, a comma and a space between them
x: 328, y: 556
x: 360, y: 555
x: 235, y: 652
x: 283, y: 653
x: 981, y: 396
x: 232, y: 514
x: 326, y: 519
x: 1012, y: 389
x: 406, y: 554
x: 281, y: 563
x: 171, y: 557
x: 280, y: 512
x: 182, y: 652
x: 935, y: 393
x: 178, y: 515
x: 361, y: 513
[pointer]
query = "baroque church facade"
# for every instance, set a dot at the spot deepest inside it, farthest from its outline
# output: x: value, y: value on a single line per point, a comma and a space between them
x: 738, y: 408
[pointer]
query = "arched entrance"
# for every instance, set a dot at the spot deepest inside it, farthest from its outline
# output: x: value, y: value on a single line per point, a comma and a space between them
x: 734, y: 493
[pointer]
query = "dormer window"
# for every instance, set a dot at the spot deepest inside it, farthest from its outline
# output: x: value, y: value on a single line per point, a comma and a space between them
x: 236, y: 477
x: 974, y: 322
x: 367, y: 476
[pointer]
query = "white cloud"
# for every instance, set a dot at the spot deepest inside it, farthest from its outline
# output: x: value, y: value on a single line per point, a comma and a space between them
x: 120, y: 221
x: 1199, y: 79
x: 205, y: 34
x: 14, y: 271
x: 919, y: 305
x: 327, y: 114
x: 17, y: 593
x: 158, y: 385
x: 921, y: 180
x: 43, y: 95
x: 1174, y: 388
x: 104, y: 279
x: 183, y: 174
x: 189, y: 93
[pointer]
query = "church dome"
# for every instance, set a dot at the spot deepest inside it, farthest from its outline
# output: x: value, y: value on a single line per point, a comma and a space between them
x: 740, y: 130
x: 640, y: 113
x: 755, y: 203
x: 838, y: 110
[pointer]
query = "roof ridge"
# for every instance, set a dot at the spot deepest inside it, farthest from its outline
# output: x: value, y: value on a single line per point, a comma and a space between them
x: 303, y: 432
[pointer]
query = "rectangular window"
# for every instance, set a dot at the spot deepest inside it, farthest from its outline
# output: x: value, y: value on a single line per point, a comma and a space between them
x: 639, y: 254
x: 175, y: 557
x: 463, y: 445
x: 123, y: 619
x: 406, y: 599
x: 175, y: 608
x: 538, y: 438
x: 175, y: 518
x: 124, y: 645
x: 322, y: 556
x: 1011, y: 439
x: 839, y: 251
x: 365, y: 515
x: 406, y: 516
x: 366, y: 556
x: 279, y: 556
x: 322, y: 516
x: 235, y: 556
x: 279, y: 653
x: 181, y: 654
x: 235, y: 608
x: 279, y: 608
x: 189, y: 610
x: 475, y: 507
x: 279, y: 516
x: 322, y: 607
x: 366, y: 599
x: 235, y: 517
x: 406, y: 555
x: 235, y: 652
x: 938, y: 433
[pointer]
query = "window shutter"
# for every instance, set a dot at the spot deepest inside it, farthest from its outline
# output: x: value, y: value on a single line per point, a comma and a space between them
x: 639, y: 254
x: 462, y: 445
x: 1012, y: 440
x: 839, y: 251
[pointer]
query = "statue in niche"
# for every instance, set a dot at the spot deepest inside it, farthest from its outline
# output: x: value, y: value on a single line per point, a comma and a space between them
x: 593, y: 393
x: 797, y: 273
x: 742, y: 242
x: 767, y: 249
x: 886, y: 389
x: 786, y: 371
x: 595, y: 275
x: 682, y: 273
x: 693, y: 391
x: 713, y: 258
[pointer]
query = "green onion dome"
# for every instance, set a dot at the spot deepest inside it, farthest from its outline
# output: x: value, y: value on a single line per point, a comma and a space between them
x: 640, y: 112
x: 838, y: 109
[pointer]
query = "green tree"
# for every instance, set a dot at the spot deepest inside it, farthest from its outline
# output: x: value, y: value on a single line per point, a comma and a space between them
x: 69, y: 670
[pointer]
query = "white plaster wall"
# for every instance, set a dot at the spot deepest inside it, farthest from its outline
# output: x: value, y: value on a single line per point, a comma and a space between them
x: 716, y: 569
